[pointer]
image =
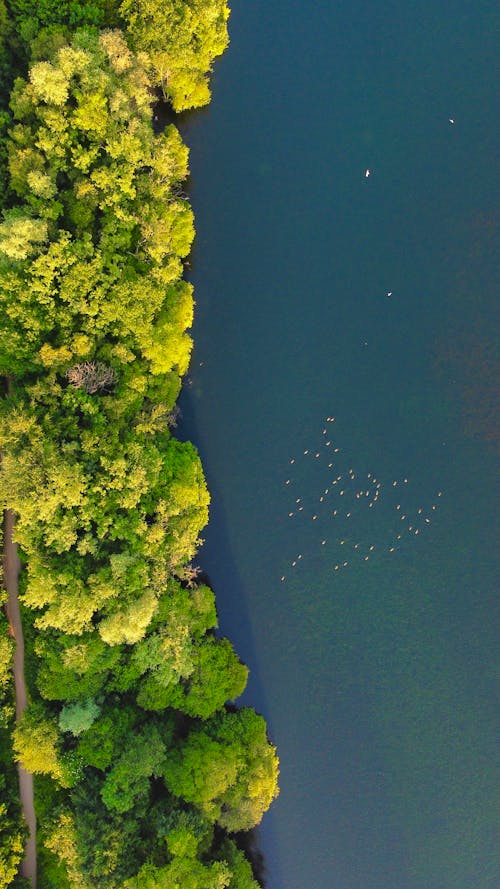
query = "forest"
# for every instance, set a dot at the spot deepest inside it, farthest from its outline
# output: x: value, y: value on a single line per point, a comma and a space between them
x: 147, y: 775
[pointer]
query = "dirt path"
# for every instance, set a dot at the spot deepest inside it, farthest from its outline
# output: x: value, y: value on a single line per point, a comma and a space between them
x: 11, y: 569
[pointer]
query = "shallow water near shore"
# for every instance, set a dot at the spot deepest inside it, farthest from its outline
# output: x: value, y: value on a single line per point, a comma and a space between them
x: 373, y: 658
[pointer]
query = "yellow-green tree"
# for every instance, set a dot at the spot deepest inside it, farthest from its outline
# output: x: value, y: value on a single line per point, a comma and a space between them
x: 182, y: 40
x: 227, y: 768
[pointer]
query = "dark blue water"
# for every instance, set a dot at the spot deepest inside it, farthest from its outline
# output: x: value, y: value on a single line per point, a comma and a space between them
x: 376, y: 676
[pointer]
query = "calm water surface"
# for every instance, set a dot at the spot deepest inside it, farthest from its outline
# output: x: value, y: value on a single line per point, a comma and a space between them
x: 376, y: 678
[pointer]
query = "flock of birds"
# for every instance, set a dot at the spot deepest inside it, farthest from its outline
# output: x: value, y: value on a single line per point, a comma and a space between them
x: 341, y: 507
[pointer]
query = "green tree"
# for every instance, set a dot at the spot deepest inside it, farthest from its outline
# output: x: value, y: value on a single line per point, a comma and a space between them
x: 74, y: 668
x: 6, y: 651
x: 129, y: 778
x: 21, y: 236
x: 228, y: 768
x: 32, y: 16
x: 37, y: 744
x: 11, y: 846
x: 103, y: 224
x: 95, y: 846
x: 182, y: 39
x: 109, y: 506
x: 107, y: 737
x: 186, y: 872
x: 12, y: 832
x: 217, y: 676
x: 241, y: 871
x: 77, y: 718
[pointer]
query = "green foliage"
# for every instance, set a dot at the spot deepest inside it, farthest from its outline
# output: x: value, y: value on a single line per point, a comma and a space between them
x: 21, y: 236
x: 5, y: 122
x: 73, y: 502
x: 31, y: 16
x: 182, y: 40
x: 73, y: 668
x: 83, y: 155
x: 108, y: 846
x: 61, y: 839
x: 131, y: 682
x: 128, y: 780
x: 228, y: 768
x: 241, y: 871
x: 12, y: 834
x: 6, y: 651
x: 107, y: 737
x: 216, y: 676
x: 6, y: 677
x: 77, y: 718
x: 181, y: 872
x: 37, y: 744
x: 184, y: 616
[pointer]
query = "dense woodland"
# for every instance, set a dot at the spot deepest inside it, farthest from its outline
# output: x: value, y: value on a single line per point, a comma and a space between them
x: 146, y: 773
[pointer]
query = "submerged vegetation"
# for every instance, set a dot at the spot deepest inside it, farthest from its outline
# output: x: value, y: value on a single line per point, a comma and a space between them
x: 143, y: 770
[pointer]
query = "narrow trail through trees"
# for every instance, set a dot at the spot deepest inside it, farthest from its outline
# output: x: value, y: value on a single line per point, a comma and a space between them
x: 11, y: 570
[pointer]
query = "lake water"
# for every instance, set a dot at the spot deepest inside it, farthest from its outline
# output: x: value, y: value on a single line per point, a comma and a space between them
x: 376, y: 677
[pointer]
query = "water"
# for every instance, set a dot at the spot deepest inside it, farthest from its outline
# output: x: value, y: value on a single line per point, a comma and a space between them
x: 377, y: 679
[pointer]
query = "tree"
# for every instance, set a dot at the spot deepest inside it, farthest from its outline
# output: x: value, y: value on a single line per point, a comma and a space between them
x: 187, y: 873
x: 11, y: 846
x: 226, y: 767
x: 102, y: 223
x: 74, y: 668
x: 37, y: 744
x: 92, y: 376
x: 182, y: 39
x: 77, y: 718
x: 217, y: 677
x: 96, y: 846
x: 32, y: 16
x: 95, y: 318
x: 21, y: 236
x: 107, y: 737
x: 128, y: 779
x: 241, y: 871
x: 12, y: 828
x: 6, y: 650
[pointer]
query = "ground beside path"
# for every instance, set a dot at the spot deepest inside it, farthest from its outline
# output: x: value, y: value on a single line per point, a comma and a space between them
x: 11, y: 570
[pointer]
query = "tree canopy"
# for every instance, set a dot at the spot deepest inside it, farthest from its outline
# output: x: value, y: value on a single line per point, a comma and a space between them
x: 143, y: 762
x: 182, y: 41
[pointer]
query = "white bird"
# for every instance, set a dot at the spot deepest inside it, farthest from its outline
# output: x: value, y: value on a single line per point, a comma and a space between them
x: 451, y: 119
x: 367, y: 173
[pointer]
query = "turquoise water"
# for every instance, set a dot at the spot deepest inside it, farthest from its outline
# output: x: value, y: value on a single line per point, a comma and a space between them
x: 376, y: 678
